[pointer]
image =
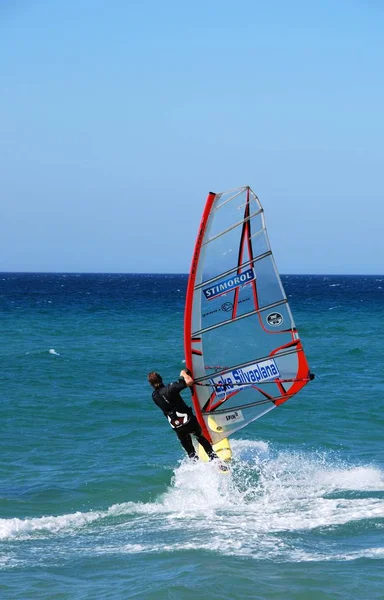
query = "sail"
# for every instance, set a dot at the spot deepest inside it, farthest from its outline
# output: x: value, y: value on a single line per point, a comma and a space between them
x: 241, y: 343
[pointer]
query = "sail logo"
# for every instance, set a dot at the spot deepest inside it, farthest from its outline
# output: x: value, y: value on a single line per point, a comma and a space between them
x: 275, y: 319
x: 234, y: 417
x: 238, y: 379
x: 229, y: 284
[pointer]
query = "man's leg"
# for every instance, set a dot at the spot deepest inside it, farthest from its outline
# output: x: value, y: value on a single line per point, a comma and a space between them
x: 197, y: 432
x: 186, y: 442
x: 206, y: 445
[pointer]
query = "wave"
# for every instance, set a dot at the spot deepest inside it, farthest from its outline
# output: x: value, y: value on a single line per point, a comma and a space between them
x: 266, y: 507
x: 36, y: 353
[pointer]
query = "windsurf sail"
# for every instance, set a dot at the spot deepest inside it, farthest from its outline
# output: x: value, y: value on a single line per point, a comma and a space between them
x: 241, y: 343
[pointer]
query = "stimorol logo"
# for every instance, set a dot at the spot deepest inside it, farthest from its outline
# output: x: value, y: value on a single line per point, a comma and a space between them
x: 229, y: 284
x: 240, y: 378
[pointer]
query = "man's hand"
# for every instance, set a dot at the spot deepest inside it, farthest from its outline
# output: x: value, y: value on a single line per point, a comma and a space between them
x: 185, y: 374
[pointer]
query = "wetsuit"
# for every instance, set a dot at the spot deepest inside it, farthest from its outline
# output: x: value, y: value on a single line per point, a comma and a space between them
x: 181, y: 417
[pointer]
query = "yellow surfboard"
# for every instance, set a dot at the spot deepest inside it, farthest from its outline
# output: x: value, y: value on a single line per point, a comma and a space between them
x: 222, y: 448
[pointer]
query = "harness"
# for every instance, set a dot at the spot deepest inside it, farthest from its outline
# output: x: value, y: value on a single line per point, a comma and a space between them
x: 176, y: 419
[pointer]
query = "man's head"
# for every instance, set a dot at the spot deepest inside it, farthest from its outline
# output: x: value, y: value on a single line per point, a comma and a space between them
x: 155, y: 380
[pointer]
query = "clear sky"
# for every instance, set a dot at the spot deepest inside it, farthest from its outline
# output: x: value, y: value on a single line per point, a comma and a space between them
x: 117, y: 117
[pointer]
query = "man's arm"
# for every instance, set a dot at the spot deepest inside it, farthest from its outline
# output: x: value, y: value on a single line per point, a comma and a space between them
x: 187, y: 378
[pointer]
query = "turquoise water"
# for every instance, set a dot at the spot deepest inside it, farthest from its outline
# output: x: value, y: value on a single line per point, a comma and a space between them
x: 96, y: 497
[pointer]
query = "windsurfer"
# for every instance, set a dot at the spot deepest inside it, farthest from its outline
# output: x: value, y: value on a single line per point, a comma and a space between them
x: 178, y: 413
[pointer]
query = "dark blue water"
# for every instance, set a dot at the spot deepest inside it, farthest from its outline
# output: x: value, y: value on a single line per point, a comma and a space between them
x: 96, y: 497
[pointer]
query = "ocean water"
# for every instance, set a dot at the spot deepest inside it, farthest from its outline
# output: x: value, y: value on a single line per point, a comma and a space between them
x: 97, y: 500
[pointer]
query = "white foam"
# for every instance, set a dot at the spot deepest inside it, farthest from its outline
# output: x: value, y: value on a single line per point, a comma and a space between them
x: 355, y: 478
x: 287, y: 492
x: 256, y: 447
x: 302, y: 556
x: 247, y: 513
x: 126, y: 548
x: 26, y: 528
x: 53, y: 351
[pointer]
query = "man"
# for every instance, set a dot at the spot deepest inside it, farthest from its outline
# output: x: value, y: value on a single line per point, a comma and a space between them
x: 178, y: 413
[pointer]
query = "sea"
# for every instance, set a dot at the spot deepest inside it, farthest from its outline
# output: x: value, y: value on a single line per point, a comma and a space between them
x: 97, y: 497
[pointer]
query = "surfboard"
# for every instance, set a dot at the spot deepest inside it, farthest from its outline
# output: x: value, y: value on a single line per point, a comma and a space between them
x: 240, y: 340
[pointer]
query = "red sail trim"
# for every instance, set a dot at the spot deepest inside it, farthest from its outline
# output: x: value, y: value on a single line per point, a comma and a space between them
x: 279, y: 382
x: 189, y: 304
x: 250, y: 252
x: 282, y: 390
x: 284, y: 346
x: 211, y: 399
x: 198, y: 352
x: 240, y: 257
x: 245, y: 238
x: 264, y: 393
x: 281, y: 399
x: 302, y: 377
x: 220, y: 402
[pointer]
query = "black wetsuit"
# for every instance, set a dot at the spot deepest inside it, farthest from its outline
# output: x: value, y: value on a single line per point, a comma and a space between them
x: 181, y: 417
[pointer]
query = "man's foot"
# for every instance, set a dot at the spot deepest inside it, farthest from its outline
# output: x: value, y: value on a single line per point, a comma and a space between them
x: 223, y: 468
x: 193, y: 457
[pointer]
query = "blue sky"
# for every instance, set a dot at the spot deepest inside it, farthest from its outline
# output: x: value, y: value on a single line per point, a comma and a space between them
x: 118, y: 117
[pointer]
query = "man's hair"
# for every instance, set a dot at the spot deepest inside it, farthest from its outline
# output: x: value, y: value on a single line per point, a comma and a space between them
x: 155, y: 379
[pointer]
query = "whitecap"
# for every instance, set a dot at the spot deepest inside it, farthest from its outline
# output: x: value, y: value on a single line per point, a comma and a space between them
x: 26, y: 528
x: 269, y: 493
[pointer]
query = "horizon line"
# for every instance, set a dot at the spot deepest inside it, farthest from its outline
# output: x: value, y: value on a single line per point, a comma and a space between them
x: 175, y: 273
